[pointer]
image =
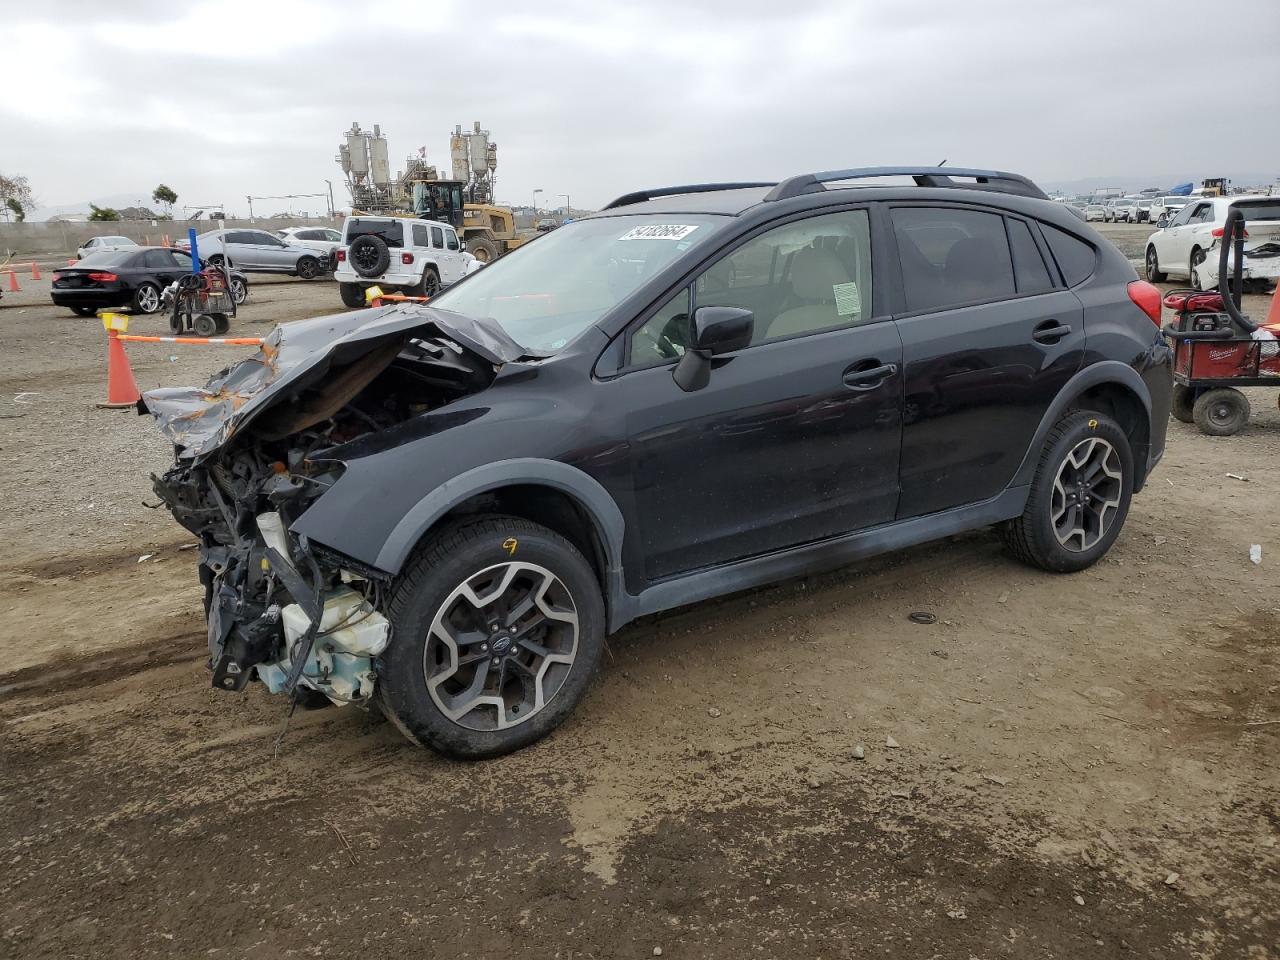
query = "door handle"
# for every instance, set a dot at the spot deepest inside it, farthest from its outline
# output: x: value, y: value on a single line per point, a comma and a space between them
x: 860, y: 377
x: 1051, y: 331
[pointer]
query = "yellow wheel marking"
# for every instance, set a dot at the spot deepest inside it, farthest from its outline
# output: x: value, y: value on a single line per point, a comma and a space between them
x: 510, y: 545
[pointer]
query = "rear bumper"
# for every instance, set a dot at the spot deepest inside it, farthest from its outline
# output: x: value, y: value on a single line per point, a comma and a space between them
x: 90, y: 298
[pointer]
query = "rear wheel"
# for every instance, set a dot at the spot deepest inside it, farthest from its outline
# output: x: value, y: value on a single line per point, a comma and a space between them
x: 1079, y: 497
x: 1154, y: 273
x: 146, y: 299
x: 84, y: 311
x: 204, y: 325
x: 497, y: 628
x: 239, y: 290
x: 308, y: 268
x: 1182, y: 407
x: 430, y: 283
x: 1221, y: 412
x: 352, y: 295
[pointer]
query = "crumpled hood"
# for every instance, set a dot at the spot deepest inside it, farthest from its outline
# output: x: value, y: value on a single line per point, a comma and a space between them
x: 294, y: 356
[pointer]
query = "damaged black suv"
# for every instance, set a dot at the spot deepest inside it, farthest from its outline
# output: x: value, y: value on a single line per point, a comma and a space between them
x: 445, y: 509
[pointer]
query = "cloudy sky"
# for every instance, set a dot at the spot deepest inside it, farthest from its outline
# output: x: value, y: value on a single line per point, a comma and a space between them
x: 235, y: 97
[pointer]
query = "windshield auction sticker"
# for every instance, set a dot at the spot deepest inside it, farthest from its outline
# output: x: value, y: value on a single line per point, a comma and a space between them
x: 659, y: 231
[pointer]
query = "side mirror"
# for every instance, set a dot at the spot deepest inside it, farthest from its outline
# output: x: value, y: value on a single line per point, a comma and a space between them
x: 714, y: 330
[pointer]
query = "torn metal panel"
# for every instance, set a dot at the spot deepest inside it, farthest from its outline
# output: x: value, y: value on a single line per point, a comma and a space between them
x: 297, y: 355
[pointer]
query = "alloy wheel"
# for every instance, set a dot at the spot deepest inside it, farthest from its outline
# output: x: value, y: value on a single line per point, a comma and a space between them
x: 500, y: 646
x: 1086, y: 494
x: 1152, y: 264
x: 148, y: 299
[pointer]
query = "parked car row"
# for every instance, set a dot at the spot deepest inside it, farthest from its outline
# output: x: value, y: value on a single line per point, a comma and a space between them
x: 261, y: 252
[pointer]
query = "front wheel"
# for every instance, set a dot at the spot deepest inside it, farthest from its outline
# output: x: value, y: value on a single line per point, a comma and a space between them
x: 1221, y: 412
x: 1079, y: 497
x: 483, y: 249
x: 497, y: 628
x: 1154, y: 273
x: 1193, y: 270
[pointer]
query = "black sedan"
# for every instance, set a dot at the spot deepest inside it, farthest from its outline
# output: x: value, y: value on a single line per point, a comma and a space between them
x: 132, y: 278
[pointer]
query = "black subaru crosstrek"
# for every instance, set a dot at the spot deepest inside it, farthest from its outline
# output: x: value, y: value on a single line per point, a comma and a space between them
x: 444, y: 509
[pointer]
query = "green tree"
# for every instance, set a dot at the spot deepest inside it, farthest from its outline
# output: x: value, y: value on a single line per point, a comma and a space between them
x: 164, y: 194
x: 100, y: 214
x: 15, y: 196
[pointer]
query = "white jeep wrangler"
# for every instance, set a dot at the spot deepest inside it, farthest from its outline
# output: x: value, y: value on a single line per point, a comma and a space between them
x: 417, y: 257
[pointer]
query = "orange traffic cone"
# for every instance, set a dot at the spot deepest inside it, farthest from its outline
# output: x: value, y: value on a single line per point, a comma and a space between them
x: 1273, y: 315
x: 13, y: 283
x: 122, y: 389
x: 35, y: 270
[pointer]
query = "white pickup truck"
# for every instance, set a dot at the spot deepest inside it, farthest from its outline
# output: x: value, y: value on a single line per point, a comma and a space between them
x: 417, y: 257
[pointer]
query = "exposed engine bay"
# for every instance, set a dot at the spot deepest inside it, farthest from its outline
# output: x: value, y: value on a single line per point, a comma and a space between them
x: 261, y: 442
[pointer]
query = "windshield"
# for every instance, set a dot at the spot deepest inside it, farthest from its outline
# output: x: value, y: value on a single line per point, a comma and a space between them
x: 549, y: 292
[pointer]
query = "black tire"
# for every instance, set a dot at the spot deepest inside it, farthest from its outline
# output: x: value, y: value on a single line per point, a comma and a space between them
x: 1183, y: 404
x: 146, y: 299
x: 483, y: 249
x: 369, y: 255
x: 222, y: 322
x: 430, y: 283
x: 352, y: 295
x: 1032, y: 537
x: 443, y: 563
x: 1154, y: 273
x: 204, y: 325
x: 1198, y: 257
x: 1221, y: 412
x: 84, y: 311
x: 308, y: 268
x: 239, y: 290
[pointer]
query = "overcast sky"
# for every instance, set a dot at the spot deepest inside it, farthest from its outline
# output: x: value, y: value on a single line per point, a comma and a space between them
x: 223, y: 99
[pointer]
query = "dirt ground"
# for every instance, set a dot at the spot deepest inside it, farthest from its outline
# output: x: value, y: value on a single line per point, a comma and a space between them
x: 1060, y: 767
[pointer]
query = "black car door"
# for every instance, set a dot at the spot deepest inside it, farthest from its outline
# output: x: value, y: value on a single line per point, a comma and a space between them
x: 161, y: 266
x: 794, y: 438
x: 989, y: 336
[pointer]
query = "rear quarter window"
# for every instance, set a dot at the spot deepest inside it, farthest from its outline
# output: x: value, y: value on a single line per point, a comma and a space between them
x: 1076, y: 259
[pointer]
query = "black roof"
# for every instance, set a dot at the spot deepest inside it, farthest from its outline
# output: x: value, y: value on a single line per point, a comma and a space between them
x: 735, y: 198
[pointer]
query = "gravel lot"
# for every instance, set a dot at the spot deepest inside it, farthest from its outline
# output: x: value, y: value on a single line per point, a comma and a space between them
x: 1059, y: 767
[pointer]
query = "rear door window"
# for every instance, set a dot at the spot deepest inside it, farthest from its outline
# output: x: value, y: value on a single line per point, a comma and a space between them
x: 951, y: 257
x: 158, y: 260
x: 420, y: 235
x: 1029, y: 268
x: 437, y: 238
x: 1076, y: 259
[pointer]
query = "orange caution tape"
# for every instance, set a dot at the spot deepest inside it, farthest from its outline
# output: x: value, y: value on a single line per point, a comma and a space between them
x: 217, y: 341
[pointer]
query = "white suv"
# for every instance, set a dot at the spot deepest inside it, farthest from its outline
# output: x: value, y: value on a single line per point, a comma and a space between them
x: 417, y: 257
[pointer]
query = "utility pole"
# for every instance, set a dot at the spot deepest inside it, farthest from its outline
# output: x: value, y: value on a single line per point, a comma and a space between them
x: 250, y: 199
x: 567, y: 209
x: 330, y: 183
x: 535, y: 202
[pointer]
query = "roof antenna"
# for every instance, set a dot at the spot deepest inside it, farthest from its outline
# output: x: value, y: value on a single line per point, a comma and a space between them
x: 943, y: 163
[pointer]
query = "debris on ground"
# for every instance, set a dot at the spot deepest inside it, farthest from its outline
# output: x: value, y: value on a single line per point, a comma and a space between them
x: 713, y: 712
x: 860, y: 752
x: 1172, y: 879
x: 890, y: 742
x: 1255, y: 553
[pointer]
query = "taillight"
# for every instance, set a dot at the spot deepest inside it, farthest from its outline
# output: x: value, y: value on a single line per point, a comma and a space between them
x: 57, y: 277
x: 104, y: 277
x: 342, y: 256
x: 406, y: 258
x: 1218, y: 231
x: 1147, y: 297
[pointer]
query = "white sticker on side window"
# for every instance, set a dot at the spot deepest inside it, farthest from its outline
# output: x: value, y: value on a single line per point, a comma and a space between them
x: 659, y: 231
x: 848, y: 300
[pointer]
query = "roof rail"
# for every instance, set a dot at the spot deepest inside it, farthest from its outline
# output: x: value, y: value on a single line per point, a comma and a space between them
x: 994, y: 180
x: 640, y: 196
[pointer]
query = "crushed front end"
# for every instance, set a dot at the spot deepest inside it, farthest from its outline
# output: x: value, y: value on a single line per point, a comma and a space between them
x: 262, y: 442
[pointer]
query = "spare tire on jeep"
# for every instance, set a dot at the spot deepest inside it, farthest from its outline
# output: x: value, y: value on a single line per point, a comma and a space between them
x: 369, y: 255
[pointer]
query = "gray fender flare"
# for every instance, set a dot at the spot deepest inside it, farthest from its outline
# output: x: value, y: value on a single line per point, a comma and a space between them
x: 1105, y: 371
x: 585, y: 490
